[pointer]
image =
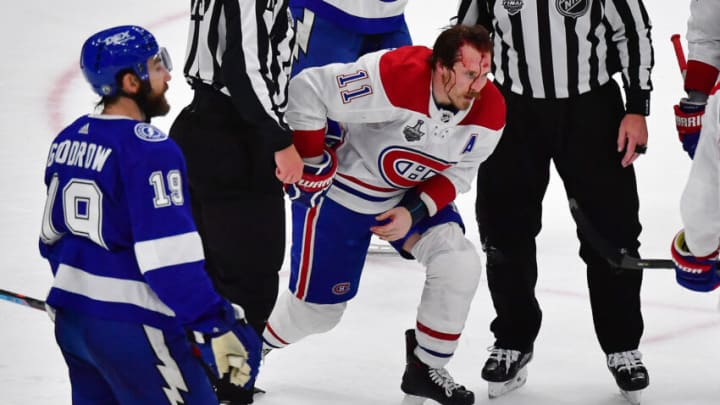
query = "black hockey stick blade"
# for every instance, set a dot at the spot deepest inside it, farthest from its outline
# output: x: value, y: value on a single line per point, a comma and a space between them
x: 614, y: 256
x: 22, y: 299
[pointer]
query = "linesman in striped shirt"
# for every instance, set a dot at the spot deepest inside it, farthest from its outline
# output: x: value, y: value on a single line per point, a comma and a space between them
x: 239, y: 149
x: 554, y: 61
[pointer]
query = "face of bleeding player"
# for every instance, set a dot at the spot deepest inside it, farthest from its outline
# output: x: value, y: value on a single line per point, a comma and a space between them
x: 462, y: 83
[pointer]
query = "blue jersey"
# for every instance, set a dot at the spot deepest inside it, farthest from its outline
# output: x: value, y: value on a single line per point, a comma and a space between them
x: 117, y: 228
x: 360, y: 16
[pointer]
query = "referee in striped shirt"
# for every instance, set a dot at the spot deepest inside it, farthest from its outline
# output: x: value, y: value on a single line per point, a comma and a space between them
x: 554, y: 61
x: 239, y: 149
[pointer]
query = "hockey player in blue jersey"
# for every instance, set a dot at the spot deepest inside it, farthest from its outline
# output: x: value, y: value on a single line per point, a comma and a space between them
x: 129, y: 286
x: 343, y: 30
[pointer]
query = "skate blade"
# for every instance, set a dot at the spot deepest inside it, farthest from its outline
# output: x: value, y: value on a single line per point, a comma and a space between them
x: 632, y: 396
x: 413, y: 400
x: 496, y: 389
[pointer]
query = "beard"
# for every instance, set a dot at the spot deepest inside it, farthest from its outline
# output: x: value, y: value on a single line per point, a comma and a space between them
x: 156, y: 105
x: 151, y: 104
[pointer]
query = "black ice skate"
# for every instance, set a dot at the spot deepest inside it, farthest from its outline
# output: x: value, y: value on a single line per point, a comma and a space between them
x: 630, y: 374
x: 230, y: 394
x: 421, y: 382
x: 505, y: 370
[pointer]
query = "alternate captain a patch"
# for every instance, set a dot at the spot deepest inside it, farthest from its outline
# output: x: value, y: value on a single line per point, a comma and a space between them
x: 149, y: 133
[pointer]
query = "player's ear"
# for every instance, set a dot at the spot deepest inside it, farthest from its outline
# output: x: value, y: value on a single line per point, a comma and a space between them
x: 130, y: 83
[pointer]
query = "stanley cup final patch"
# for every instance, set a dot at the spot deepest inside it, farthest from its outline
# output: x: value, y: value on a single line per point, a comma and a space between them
x: 512, y: 6
x: 572, y: 8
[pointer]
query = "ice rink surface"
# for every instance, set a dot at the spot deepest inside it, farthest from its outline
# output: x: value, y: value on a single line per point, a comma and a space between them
x: 360, y: 361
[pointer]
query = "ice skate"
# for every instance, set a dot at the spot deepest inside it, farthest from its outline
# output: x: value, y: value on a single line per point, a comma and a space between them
x: 505, y: 370
x: 230, y: 394
x: 421, y: 382
x: 630, y: 374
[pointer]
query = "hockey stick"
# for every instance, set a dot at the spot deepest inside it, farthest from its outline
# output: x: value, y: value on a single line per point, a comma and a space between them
x: 381, y: 249
x: 616, y: 257
x: 22, y: 299
x: 679, y: 54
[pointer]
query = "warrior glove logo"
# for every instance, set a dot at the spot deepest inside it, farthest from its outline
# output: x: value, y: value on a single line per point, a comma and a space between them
x: 314, y: 185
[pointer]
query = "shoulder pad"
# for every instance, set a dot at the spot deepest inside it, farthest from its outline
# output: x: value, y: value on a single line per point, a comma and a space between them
x: 149, y: 133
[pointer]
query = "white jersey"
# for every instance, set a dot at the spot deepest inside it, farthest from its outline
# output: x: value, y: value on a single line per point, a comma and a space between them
x: 700, y: 203
x: 703, y: 34
x: 394, y: 136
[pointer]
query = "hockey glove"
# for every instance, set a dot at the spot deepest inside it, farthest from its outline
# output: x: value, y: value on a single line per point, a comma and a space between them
x: 691, y: 272
x: 228, y: 344
x: 688, y: 120
x: 315, y: 181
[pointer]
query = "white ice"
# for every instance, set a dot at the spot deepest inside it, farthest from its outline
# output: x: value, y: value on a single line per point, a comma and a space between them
x: 360, y: 361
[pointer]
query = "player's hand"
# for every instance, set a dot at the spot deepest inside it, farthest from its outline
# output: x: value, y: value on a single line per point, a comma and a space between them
x: 229, y: 345
x: 688, y: 121
x: 691, y: 272
x: 397, y: 224
x: 632, y: 137
x: 289, y: 165
x: 238, y: 352
x: 315, y: 181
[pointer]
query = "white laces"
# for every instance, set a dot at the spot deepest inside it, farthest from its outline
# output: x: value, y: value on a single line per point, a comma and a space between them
x: 441, y: 377
x: 506, y: 355
x: 625, y: 360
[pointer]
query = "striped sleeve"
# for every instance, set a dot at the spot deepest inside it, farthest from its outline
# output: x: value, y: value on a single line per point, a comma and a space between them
x: 256, y: 64
x: 631, y: 35
x: 243, y: 49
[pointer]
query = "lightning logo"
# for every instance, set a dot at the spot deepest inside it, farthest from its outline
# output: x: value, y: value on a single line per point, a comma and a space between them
x: 302, y: 33
x: 168, y: 368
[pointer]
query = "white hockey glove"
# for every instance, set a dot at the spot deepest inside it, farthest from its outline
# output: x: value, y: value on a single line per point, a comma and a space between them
x: 230, y: 345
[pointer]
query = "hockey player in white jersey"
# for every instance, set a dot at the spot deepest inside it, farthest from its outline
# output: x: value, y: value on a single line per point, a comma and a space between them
x: 416, y: 124
x: 128, y: 266
x: 695, y: 249
x: 703, y: 36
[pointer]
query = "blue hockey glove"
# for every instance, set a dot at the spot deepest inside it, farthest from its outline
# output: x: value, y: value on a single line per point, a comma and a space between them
x: 229, y: 345
x: 315, y: 181
x: 688, y: 121
x: 691, y: 272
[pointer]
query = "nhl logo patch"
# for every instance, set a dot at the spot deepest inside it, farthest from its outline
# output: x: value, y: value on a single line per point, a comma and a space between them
x: 149, y: 133
x: 513, y: 6
x: 446, y: 116
x: 572, y: 8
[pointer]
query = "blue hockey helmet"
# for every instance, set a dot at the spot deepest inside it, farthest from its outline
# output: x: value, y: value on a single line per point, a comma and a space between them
x: 109, y: 52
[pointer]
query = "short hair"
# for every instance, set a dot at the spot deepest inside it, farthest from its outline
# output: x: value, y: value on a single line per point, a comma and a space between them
x: 446, y: 49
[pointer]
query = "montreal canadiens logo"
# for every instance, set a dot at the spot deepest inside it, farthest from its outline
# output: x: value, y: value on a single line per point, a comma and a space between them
x: 149, y: 133
x: 341, y: 288
x: 405, y: 168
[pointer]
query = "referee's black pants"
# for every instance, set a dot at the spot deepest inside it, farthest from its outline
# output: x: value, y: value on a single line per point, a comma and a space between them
x: 579, y: 135
x: 237, y: 202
